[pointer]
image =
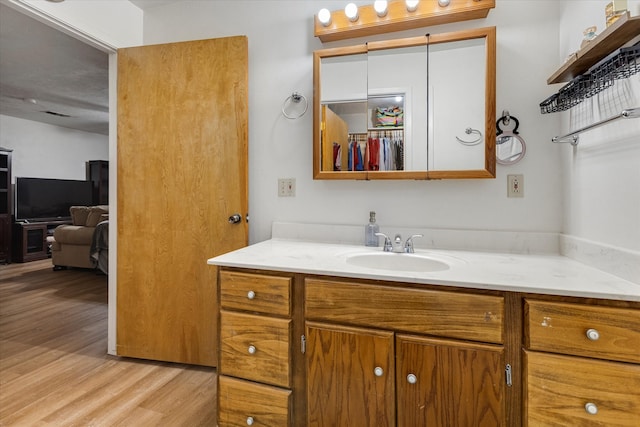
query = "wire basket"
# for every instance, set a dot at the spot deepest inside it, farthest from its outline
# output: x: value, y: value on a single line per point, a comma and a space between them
x: 600, y: 77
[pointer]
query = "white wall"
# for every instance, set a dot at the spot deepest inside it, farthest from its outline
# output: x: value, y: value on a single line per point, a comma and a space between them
x: 116, y: 23
x: 601, y: 174
x: 281, y: 43
x: 44, y: 151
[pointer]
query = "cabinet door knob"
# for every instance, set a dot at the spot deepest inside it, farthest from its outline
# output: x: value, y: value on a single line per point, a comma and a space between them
x: 252, y: 349
x: 249, y: 421
x: 412, y: 379
x: 251, y: 295
x: 378, y: 371
x: 591, y: 408
x: 593, y: 334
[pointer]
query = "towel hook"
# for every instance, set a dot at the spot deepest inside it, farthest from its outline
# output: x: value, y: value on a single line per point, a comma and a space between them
x: 502, y: 119
x: 294, y: 98
x: 469, y: 131
x: 506, y: 118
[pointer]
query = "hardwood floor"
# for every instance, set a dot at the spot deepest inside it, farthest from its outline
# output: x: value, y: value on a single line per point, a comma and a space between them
x: 54, y: 369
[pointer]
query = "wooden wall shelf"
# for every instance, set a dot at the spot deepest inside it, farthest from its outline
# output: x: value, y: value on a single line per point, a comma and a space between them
x: 615, y: 36
x: 427, y: 14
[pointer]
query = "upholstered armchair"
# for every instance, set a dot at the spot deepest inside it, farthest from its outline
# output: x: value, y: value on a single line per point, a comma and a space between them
x: 72, y: 244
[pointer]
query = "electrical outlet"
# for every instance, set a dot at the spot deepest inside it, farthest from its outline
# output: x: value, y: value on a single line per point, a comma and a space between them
x: 515, y: 185
x: 286, y: 187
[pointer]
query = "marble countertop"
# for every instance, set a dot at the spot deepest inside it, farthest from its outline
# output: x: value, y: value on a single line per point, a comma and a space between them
x: 542, y: 274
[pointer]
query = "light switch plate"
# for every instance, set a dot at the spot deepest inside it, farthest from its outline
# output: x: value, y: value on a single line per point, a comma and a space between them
x: 286, y: 187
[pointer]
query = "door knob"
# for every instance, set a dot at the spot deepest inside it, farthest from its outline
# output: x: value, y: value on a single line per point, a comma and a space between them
x: 235, y: 218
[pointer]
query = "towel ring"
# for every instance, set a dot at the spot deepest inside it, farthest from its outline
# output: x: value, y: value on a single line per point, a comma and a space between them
x: 469, y: 131
x: 510, y: 147
x: 294, y: 98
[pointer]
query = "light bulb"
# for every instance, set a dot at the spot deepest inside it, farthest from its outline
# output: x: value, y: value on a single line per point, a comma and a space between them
x: 351, y: 11
x: 444, y: 3
x: 324, y: 16
x: 380, y: 7
x: 412, y: 5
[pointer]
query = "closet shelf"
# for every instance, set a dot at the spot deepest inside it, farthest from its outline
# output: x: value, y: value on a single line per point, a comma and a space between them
x: 613, y: 37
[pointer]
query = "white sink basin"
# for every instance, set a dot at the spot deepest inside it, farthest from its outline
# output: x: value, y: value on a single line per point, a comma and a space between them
x: 397, y: 262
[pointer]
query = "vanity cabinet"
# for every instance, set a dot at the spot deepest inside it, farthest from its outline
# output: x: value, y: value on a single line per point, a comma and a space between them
x: 373, y: 359
x: 308, y: 350
x: 255, y: 351
x: 582, y: 364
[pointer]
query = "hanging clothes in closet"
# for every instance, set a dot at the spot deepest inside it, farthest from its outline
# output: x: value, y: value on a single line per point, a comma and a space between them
x: 390, y: 149
x: 357, y: 152
x: 376, y: 151
x: 337, y: 157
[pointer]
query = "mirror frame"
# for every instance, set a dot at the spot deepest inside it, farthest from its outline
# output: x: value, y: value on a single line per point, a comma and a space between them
x: 489, y: 171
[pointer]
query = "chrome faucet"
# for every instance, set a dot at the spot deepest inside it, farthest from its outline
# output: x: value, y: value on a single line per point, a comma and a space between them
x: 388, y: 247
x: 396, y: 245
x: 408, y: 245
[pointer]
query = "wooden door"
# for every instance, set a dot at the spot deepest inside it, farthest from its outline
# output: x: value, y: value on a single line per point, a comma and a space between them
x: 336, y: 130
x: 182, y: 171
x: 350, y: 376
x: 453, y: 384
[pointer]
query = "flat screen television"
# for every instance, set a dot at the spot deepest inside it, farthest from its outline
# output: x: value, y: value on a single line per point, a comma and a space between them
x: 46, y: 199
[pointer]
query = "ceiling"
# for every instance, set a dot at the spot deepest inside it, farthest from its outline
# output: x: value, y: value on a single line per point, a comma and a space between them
x: 49, y: 77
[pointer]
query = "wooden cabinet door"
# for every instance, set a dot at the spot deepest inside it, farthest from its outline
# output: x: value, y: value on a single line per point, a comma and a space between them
x: 448, y: 383
x: 335, y: 130
x: 350, y: 376
x: 182, y: 172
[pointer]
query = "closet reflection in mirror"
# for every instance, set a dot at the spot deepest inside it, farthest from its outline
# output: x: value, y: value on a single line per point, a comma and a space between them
x: 393, y: 109
x: 367, y: 135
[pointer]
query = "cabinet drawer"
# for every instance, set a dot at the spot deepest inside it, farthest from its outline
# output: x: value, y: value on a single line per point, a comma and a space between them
x: 255, y: 348
x: 441, y: 313
x: 560, y: 389
x: 583, y: 330
x: 241, y: 403
x: 255, y: 292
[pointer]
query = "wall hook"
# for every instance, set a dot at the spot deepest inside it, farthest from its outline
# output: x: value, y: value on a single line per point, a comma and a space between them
x: 506, y: 118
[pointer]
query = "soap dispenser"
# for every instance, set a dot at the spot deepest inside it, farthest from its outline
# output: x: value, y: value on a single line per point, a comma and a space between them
x: 370, y: 238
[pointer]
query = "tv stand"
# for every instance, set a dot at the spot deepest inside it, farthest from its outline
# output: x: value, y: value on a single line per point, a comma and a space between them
x: 30, y: 239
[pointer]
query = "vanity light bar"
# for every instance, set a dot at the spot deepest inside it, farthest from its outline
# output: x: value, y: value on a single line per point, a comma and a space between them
x: 336, y: 25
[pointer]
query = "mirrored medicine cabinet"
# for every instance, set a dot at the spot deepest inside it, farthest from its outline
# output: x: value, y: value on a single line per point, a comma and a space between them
x: 413, y: 108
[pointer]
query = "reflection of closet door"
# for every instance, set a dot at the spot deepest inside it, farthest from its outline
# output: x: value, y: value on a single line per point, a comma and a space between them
x: 182, y: 171
x: 335, y: 130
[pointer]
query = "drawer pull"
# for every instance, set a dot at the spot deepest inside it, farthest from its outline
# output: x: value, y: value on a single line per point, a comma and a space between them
x: 412, y: 379
x: 593, y: 334
x: 249, y: 421
x: 251, y: 295
x: 378, y: 371
x: 591, y: 408
x: 252, y: 349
